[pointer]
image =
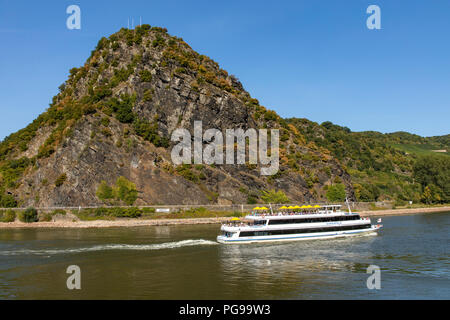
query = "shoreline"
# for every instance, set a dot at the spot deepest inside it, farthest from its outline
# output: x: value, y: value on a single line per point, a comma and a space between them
x: 64, y: 224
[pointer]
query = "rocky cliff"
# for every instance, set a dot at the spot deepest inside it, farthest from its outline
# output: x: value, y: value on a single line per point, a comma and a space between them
x: 114, y: 117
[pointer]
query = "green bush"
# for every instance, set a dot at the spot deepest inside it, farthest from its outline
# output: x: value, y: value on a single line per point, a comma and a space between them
x: 123, y: 108
x: 159, y: 41
x: 8, y: 216
x: 147, y: 95
x: 251, y: 199
x: 105, y: 192
x: 59, y: 211
x: 433, y: 173
x: 273, y: 196
x: 105, y: 121
x: 116, y: 212
x: 336, y: 193
x: 126, y: 191
x: 123, y: 191
x: 146, y: 76
x: 270, y: 115
x: 132, y: 212
x: 399, y: 203
x: 149, y: 131
x: 29, y: 215
x: 7, y: 201
x: 61, y: 179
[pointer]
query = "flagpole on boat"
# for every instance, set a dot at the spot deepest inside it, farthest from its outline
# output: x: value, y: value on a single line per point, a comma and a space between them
x: 348, y: 205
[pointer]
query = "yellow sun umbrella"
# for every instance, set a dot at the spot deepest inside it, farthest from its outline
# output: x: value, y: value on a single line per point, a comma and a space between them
x: 309, y: 206
x: 291, y: 207
x: 297, y: 207
x: 235, y: 219
x: 283, y: 207
x: 257, y: 208
x: 316, y: 206
x: 303, y: 207
x: 264, y: 208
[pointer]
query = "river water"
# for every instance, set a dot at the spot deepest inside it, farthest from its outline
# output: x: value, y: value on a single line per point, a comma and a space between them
x: 185, y: 262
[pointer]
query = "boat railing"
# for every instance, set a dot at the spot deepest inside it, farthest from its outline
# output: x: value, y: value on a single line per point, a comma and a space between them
x: 276, y: 214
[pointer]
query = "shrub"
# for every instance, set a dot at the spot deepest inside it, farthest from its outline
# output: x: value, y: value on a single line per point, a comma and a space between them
x: 46, y: 217
x: 124, y: 190
x: 399, y: 203
x: 123, y: 108
x: 159, y: 41
x: 251, y: 199
x: 146, y: 76
x: 132, y: 212
x: 61, y: 179
x: 8, y: 216
x: 104, y: 192
x: 273, y: 196
x: 107, y: 132
x: 29, y: 215
x: 336, y: 193
x: 105, y: 121
x: 7, y: 201
x: 147, y: 95
x: 117, y: 212
x: 59, y: 211
x: 433, y: 173
x: 270, y: 116
x: 185, y: 171
x: 149, y: 131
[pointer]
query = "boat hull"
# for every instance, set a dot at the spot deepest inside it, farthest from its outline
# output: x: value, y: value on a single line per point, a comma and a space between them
x: 298, y: 237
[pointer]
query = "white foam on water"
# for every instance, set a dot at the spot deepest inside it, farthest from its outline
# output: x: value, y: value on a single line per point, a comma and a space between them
x: 143, y: 247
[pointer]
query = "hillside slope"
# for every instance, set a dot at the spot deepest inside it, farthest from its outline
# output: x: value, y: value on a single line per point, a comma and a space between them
x: 385, y: 166
x: 114, y: 117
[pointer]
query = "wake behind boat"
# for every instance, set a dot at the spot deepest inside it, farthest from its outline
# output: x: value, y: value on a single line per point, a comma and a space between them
x: 297, y: 223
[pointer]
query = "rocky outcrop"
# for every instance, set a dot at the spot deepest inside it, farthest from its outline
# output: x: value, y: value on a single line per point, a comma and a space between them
x: 88, y: 137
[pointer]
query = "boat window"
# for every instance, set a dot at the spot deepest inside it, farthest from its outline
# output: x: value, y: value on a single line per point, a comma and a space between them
x: 305, y: 230
x: 227, y: 234
x: 259, y: 222
x: 312, y: 220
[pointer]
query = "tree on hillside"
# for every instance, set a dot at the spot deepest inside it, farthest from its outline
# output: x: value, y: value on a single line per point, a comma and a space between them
x: 433, y: 173
x: 273, y: 196
x: 123, y: 191
x: 336, y: 193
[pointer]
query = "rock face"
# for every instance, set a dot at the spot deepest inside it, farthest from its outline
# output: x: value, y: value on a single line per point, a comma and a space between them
x: 115, y: 115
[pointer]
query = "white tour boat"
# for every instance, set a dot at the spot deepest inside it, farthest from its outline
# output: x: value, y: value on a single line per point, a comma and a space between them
x: 301, y: 223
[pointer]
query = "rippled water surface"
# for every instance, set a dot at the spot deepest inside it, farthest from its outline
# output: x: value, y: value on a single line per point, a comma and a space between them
x: 185, y: 262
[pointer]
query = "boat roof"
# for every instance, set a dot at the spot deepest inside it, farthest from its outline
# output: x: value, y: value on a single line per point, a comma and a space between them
x: 296, y: 216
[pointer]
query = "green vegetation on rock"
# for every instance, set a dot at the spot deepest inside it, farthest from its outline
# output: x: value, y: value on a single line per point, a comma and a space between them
x: 273, y: 196
x: 7, y: 216
x: 336, y: 193
x: 29, y: 215
x: 123, y: 191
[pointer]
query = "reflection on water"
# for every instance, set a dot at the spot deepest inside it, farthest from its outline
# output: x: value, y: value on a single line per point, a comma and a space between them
x: 185, y: 262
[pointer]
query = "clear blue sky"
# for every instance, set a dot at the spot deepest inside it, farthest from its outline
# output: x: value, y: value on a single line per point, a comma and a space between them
x: 312, y: 59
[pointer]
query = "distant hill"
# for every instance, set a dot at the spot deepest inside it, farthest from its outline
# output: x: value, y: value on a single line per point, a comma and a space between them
x: 381, y: 165
x: 106, y: 138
